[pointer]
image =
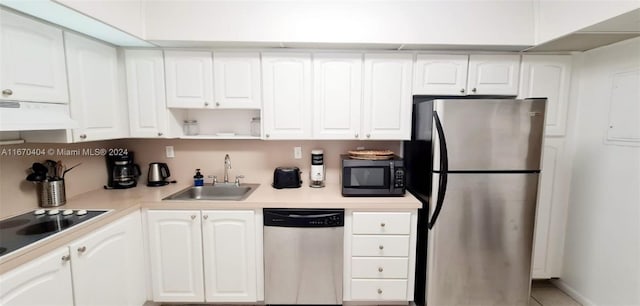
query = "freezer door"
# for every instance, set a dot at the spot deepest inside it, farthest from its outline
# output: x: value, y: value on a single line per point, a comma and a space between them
x: 480, y: 247
x: 490, y: 135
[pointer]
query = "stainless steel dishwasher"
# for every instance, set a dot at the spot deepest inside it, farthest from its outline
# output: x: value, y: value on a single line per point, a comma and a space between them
x: 303, y: 254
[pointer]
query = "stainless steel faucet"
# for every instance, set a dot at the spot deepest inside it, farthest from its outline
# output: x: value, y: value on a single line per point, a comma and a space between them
x: 227, y: 167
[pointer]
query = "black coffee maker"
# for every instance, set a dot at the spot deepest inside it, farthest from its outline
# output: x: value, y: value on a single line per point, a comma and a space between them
x: 123, y: 173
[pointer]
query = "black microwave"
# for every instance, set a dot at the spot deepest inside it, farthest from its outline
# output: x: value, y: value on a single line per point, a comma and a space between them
x: 372, y: 178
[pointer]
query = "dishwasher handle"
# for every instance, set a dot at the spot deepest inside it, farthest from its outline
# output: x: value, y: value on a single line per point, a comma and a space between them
x: 286, y: 217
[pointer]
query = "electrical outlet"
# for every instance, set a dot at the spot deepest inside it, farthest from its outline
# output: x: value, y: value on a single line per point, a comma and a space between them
x: 169, y: 152
x: 297, y: 152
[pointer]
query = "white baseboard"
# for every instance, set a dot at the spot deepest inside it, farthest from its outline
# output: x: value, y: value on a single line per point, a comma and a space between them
x: 572, y: 292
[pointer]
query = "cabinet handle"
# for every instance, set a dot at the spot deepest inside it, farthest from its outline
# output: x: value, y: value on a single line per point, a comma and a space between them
x: 474, y: 90
x: 66, y: 258
x: 383, y: 224
x: 379, y: 291
x: 206, y: 103
x: 82, y: 249
x: 193, y: 217
x: 83, y: 136
x: 205, y: 217
x: 381, y: 247
x: 7, y: 92
x: 266, y: 135
x: 368, y: 135
x: 380, y: 269
x: 160, y: 134
x: 462, y: 90
x: 357, y: 135
x: 217, y: 104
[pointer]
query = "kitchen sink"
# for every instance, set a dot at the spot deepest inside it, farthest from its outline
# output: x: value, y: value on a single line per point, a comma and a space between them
x: 217, y: 192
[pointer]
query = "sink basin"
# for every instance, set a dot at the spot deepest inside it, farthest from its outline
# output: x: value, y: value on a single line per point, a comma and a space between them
x: 219, y: 192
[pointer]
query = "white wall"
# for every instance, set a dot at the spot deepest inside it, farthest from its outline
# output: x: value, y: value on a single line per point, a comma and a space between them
x: 555, y: 18
x: 602, y: 245
x: 464, y: 22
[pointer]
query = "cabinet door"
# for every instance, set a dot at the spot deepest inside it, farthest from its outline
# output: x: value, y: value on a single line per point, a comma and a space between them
x: 146, y: 94
x: 175, y: 248
x: 237, y: 80
x: 387, y: 96
x: 440, y: 74
x: 32, y: 64
x: 229, y: 244
x: 548, y: 76
x: 337, y: 95
x: 493, y: 74
x: 96, y: 102
x: 286, y: 79
x: 43, y: 281
x: 189, y: 79
x: 108, y: 265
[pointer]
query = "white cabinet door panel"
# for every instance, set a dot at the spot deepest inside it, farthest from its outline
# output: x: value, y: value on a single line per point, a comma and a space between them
x: 286, y: 79
x: 337, y: 95
x: 32, y: 62
x: 387, y: 96
x: 146, y: 93
x: 96, y: 102
x: 175, y: 244
x: 237, y: 80
x: 229, y: 245
x: 43, y: 281
x: 493, y: 74
x: 440, y: 74
x: 189, y: 77
x: 548, y: 76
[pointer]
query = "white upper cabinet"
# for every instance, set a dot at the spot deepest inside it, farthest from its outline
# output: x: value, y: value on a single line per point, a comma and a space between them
x: 146, y: 93
x: 387, y: 96
x: 32, y: 62
x: 237, y: 80
x: 493, y: 74
x: 337, y: 95
x: 548, y: 76
x: 286, y: 80
x: 44, y: 281
x: 229, y: 248
x: 96, y: 101
x: 189, y: 77
x: 108, y: 265
x: 175, y: 248
x: 440, y: 74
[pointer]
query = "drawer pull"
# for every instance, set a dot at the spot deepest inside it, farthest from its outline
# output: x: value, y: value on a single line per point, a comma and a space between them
x: 380, y: 269
x: 82, y: 249
x: 382, y: 224
x: 379, y: 291
x: 381, y: 247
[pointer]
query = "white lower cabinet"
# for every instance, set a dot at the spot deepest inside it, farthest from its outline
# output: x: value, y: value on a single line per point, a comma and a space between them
x: 379, y: 255
x: 44, y: 281
x: 205, y: 256
x: 106, y: 267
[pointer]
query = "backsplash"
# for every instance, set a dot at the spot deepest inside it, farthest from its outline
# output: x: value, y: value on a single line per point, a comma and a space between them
x: 255, y: 159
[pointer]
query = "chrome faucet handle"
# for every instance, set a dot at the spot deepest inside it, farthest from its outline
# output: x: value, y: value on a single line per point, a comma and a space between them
x: 215, y: 179
x: 238, y: 177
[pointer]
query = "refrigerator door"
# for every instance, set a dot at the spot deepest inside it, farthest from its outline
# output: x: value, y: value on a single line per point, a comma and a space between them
x: 490, y: 135
x: 480, y: 247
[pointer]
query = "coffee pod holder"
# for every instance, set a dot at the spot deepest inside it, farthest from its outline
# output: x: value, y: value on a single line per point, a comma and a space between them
x: 51, y: 193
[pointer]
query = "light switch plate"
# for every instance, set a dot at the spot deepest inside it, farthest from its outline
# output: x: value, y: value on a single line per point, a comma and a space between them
x: 169, y: 152
x: 297, y: 152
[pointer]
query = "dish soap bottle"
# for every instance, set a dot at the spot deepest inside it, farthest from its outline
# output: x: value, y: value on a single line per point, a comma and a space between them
x: 198, y: 179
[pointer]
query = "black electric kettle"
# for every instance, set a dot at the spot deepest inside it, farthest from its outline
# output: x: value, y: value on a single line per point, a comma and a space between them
x: 158, y: 172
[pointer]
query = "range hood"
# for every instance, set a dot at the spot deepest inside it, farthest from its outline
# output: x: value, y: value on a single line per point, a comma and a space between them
x: 33, y: 116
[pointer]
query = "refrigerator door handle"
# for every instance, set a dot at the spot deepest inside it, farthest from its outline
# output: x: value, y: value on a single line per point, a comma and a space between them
x: 444, y: 168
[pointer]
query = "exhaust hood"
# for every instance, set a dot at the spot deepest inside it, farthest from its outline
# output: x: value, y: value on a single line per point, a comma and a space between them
x: 31, y: 116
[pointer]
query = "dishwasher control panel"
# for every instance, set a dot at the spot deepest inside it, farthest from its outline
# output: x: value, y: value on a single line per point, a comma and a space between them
x: 286, y: 217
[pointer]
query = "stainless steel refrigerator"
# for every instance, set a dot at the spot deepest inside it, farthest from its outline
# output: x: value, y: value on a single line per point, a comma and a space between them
x: 475, y: 164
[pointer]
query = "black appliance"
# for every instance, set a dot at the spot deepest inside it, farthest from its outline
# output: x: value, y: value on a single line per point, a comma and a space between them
x: 122, y: 171
x: 286, y: 177
x: 23, y: 230
x: 373, y: 178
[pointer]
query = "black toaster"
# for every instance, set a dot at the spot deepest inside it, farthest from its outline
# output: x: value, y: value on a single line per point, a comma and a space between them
x: 286, y: 177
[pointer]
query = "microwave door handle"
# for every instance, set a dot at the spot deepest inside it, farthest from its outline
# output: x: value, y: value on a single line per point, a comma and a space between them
x: 444, y: 169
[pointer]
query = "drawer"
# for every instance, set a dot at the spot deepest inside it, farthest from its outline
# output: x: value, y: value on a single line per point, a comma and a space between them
x: 379, y: 290
x: 379, y: 267
x: 389, y: 223
x: 394, y: 246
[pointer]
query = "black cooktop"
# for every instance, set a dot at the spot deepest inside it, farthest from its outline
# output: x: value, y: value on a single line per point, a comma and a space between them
x: 28, y: 228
